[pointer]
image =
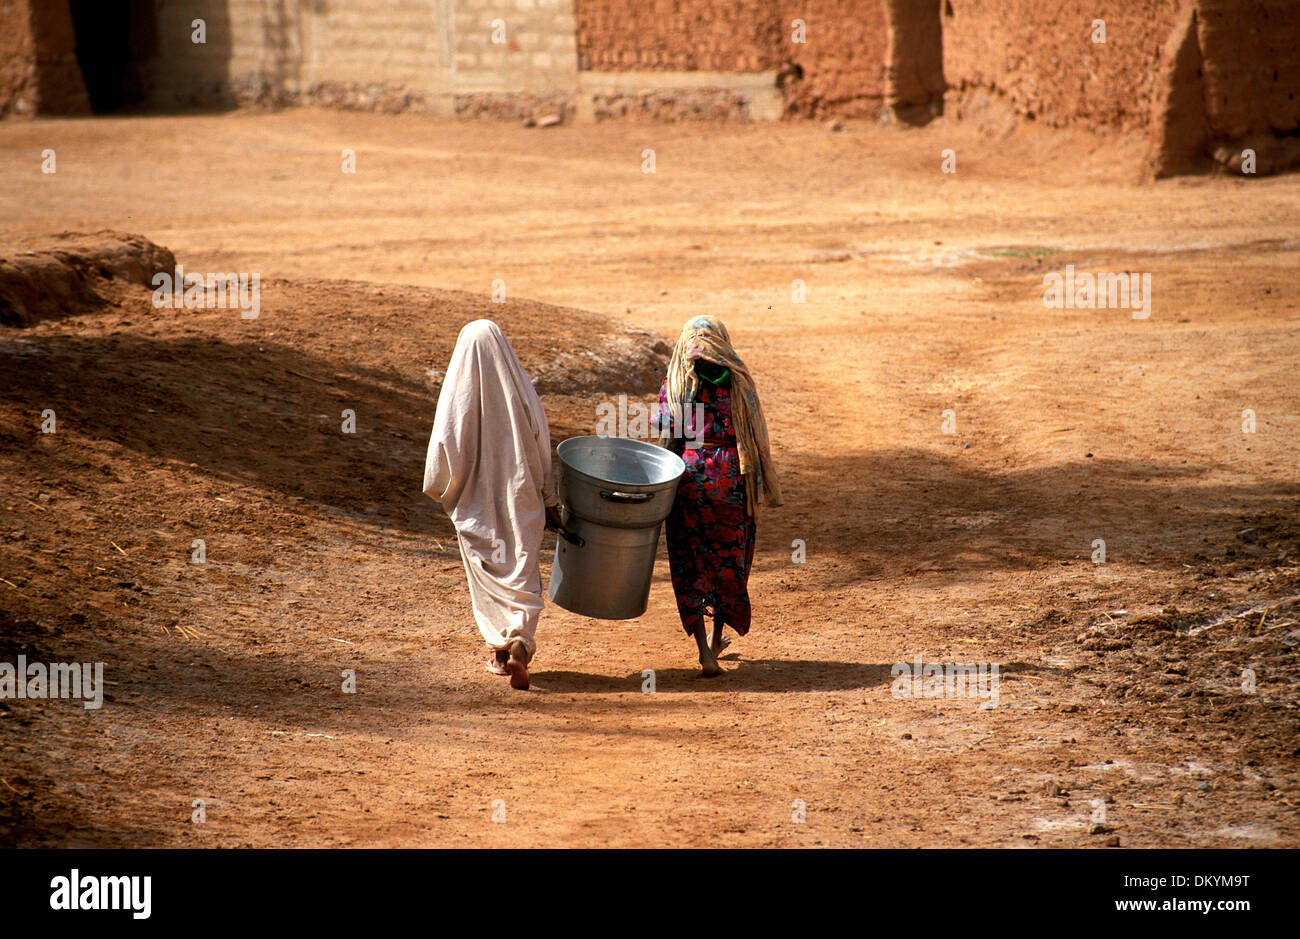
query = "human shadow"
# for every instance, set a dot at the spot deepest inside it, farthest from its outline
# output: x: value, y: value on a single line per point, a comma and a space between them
x: 868, y: 514
x: 760, y: 675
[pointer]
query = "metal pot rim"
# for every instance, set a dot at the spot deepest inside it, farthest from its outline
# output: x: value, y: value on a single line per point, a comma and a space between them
x: 657, y: 453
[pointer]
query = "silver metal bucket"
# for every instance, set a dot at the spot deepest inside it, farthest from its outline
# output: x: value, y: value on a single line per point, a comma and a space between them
x: 616, y: 494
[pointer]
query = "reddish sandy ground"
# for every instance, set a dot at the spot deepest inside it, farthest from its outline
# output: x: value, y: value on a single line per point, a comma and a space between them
x: 1122, y: 688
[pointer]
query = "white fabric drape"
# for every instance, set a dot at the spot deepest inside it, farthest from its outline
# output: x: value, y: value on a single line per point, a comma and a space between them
x: 489, y: 464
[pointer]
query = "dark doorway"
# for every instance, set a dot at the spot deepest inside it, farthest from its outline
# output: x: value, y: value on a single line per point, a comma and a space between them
x: 115, y: 41
x: 916, y: 82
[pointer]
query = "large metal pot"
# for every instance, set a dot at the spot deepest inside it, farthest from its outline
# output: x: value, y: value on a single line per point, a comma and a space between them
x: 616, y: 494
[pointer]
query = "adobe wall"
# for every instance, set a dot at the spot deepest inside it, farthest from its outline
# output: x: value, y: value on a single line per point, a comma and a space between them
x: 677, y: 35
x: 839, y: 67
x: 281, y: 52
x: 1037, y: 58
x: 660, y: 59
x: 844, y: 60
x: 1178, y: 129
x: 17, y: 59
x: 59, y: 87
x: 1201, y: 78
x: 671, y: 60
x: 183, y: 73
x: 38, y: 62
x: 1250, y: 52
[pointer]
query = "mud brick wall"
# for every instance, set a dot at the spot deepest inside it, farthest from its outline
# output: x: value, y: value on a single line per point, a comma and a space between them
x: 1203, y: 78
x: 677, y: 35
x: 1251, y: 66
x: 1038, y: 58
x: 38, y: 61
x: 684, y: 60
x: 1230, y: 84
x: 840, y: 68
x: 843, y: 62
x: 357, y: 55
x: 17, y: 59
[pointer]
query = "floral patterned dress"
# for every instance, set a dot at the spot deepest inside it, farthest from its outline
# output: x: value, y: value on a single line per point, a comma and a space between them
x: 710, y: 532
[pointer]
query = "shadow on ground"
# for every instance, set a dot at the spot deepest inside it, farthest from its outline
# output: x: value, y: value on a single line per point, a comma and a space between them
x: 914, y: 512
x: 766, y: 675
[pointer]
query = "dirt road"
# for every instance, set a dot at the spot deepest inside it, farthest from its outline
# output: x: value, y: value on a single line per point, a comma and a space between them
x: 1135, y: 705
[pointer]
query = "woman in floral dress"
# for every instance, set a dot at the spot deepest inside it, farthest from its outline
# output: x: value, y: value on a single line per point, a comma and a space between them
x: 709, y: 413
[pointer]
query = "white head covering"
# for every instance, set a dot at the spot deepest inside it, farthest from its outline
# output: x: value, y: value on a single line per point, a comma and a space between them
x: 489, y: 464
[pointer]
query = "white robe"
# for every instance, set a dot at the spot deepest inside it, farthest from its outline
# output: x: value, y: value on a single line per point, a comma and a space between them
x: 489, y: 464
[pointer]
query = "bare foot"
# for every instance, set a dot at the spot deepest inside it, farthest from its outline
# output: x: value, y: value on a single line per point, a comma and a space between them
x: 497, y: 663
x: 708, y: 661
x: 517, y: 666
x: 718, y: 642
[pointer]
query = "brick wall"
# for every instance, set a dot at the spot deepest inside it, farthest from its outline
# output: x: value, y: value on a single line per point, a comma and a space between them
x: 389, y: 55
x: 515, y: 58
x: 838, y: 68
x: 677, y: 35
x: 1200, y: 76
x: 843, y: 60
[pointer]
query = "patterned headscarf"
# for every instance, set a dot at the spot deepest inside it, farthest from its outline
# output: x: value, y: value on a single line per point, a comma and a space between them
x: 705, y: 337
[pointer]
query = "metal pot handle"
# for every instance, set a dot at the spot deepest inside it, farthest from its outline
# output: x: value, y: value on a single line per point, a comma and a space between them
x: 617, y: 496
x: 576, y: 540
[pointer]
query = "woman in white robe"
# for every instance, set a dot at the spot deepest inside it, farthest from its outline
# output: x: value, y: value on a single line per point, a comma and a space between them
x: 489, y: 464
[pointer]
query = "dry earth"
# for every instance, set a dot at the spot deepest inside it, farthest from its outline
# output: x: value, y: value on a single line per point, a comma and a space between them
x: 1121, y: 683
